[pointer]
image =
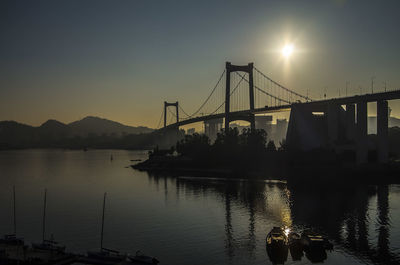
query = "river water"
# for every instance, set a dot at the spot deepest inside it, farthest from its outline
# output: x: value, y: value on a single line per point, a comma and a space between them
x: 183, y: 220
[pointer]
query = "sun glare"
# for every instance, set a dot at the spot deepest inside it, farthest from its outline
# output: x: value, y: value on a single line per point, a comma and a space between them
x: 287, y: 50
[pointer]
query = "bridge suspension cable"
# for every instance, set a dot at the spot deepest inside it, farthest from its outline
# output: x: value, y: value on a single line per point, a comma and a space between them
x: 170, y: 112
x: 265, y: 92
x: 159, y: 122
x: 209, y: 96
x: 233, y: 90
x: 284, y: 88
x: 184, y: 112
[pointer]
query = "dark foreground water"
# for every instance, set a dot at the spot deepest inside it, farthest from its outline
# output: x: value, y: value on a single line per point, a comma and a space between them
x: 189, y: 220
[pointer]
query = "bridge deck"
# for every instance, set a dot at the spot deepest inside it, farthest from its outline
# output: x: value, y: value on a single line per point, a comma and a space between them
x: 341, y: 101
x: 390, y: 95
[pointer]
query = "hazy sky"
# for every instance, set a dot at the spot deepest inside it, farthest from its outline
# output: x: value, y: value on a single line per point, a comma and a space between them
x: 121, y: 59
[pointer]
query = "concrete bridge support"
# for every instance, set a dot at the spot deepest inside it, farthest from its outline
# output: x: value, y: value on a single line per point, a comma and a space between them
x: 333, y: 123
x: 305, y: 131
x: 362, y: 133
x: 382, y: 131
x: 265, y: 123
x: 212, y: 127
x: 350, y: 122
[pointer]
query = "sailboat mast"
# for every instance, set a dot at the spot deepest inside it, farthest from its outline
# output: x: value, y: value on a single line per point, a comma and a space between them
x: 102, y: 221
x: 44, y: 214
x: 15, y: 215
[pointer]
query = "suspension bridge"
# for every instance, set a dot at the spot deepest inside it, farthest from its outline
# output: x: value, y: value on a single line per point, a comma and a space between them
x: 243, y: 91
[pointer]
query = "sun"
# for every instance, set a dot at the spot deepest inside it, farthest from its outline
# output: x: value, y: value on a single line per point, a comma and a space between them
x: 287, y: 50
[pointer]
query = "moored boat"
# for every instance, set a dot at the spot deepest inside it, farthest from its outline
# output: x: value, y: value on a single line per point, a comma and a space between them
x: 314, y: 241
x: 277, y: 245
x: 12, y: 239
x: 109, y: 256
x: 106, y: 256
x: 276, y: 238
x: 47, y: 244
x: 294, y: 239
x: 295, y: 246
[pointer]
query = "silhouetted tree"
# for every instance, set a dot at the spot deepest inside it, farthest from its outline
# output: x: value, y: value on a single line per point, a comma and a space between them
x: 195, y: 145
x: 229, y: 138
x: 283, y: 145
x: 254, y: 139
x: 271, y: 146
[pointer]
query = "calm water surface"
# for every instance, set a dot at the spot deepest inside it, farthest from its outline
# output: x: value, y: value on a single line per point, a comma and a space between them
x: 189, y: 220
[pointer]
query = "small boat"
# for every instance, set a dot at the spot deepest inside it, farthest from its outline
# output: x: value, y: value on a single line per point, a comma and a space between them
x: 141, y: 258
x: 276, y: 238
x: 47, y: 244
x: 295, y: 246
x: 109, y: 256
x: 277, y: 245
x: 294, y: 239
x: 105, y: 254
x: 314, y: 241
x: 12, y: 239
x: 314, y: 245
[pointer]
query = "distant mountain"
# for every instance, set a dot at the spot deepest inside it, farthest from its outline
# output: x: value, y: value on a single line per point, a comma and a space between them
x: 52, y: 129
x: 12, y: 132
x: 52, y: 132
x: 100, y: 126
x: 53, y: 125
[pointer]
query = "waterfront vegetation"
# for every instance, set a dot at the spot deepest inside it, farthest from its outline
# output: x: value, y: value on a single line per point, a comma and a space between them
x: 250, y: 154
x: 232, y: 153
x: 229, y: 146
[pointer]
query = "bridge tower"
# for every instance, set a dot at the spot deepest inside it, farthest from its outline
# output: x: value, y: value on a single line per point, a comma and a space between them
x: 166, y: 105
x: 239, y: 68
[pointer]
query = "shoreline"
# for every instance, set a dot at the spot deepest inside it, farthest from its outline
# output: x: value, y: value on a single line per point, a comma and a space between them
x: 296, y: 174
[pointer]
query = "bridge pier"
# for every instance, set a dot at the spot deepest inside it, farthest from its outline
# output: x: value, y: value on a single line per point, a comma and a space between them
x: 382, y: 131
x: 350, y: 122
x: 305, y: 130
x: 265, y: 123
x: 362, y: 133
x: 333, y: 123
x: 212, y: 127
